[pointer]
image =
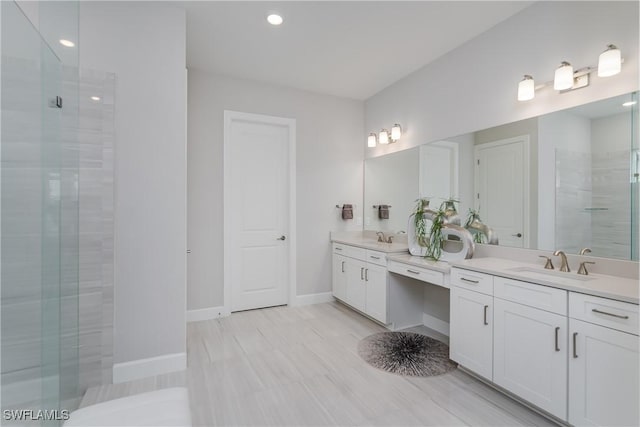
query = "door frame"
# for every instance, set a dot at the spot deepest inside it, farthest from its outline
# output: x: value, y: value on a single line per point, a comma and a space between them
x: 526, y: 181
x: 229, y: 117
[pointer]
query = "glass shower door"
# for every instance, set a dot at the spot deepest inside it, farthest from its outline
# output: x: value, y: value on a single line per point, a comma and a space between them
x: 39, y: 361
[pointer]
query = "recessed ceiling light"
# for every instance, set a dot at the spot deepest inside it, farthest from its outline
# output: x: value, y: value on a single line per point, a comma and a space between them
x: 95, y: 98
x: 629, y: 103
x: 275, y: 19
x: 67, y: 43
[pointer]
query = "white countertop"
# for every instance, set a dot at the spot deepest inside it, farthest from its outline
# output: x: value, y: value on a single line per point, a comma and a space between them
x: 369, y: 243
x: 418, y: 261
x: 613, y: 287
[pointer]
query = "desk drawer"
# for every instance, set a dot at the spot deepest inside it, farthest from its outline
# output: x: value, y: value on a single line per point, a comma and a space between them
x: 619, y: 315
x: 531, y: 294
x: 375, y: 257
x: 419, y: 273
x: 350, y: 251
x: 472, y: 280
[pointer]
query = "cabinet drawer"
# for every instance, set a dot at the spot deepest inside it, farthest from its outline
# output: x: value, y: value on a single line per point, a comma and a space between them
x: 350, y: 251
x: 376, y: 257
x: 537, y: 296
x: 619, y: 315
x: 472, y: 280
x: 426, y: 275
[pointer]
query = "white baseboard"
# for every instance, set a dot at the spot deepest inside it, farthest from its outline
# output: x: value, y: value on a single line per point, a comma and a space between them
x: 142, y: 368
x: 435, y: 324
x: 207, y: 314
x: 313, y: 298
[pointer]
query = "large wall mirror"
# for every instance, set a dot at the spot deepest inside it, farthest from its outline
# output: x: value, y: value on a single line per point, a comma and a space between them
x: 565, y: 180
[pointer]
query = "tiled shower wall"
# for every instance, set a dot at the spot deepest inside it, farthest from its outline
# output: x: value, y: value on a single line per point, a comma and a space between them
x: 611, y: 219
x: 84, y: 179
x: 96, y: 185
x: 593, y: 207
x: 573, y: 200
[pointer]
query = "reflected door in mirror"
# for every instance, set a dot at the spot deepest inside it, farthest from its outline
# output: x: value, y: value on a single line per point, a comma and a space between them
x: 502, y: 189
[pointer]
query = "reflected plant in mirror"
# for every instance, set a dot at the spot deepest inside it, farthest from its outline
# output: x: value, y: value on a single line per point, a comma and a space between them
x: 481, y: 232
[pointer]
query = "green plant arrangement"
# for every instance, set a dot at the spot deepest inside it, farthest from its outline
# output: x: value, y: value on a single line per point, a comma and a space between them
x: 434, y: 248
x: 419, y: 220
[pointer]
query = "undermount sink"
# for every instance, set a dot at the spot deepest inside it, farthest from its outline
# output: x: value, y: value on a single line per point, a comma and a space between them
x: 559, y: 274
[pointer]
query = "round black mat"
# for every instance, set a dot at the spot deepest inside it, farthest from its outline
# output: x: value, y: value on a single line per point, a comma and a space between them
x: 406, y: 353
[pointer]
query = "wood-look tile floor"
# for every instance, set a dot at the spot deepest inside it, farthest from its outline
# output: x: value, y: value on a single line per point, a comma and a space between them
x: 298, y: 366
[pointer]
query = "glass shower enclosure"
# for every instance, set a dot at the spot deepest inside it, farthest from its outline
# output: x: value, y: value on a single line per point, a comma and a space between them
x: 38, y: 217
x: 597, y: 180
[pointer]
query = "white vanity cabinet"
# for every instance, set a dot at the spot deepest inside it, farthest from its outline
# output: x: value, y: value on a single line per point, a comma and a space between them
x: 339, y: 276
x: 603, y: 362
x: 360, y: 279
x: 471, y: 321
x: 530, y: 343
x: 572, y: 355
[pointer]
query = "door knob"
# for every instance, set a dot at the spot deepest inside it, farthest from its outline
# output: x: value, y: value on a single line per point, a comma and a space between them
x: 517, y: 235
x: 282, y: 238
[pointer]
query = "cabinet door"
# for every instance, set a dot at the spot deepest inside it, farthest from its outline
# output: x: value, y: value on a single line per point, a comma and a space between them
x: 377, y: 289
x: 471, y: 331
x: 356, y: 289
x: 340, y: 277
x: 603, y: 376
x: 530, y: 355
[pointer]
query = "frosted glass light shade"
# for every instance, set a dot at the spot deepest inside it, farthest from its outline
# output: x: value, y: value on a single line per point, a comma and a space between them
x: 563, y: 78
x: 396, y: 132
x: 610, y: 62
x: 383, y: 138
x: 526, y: 89
x: 371, y: 140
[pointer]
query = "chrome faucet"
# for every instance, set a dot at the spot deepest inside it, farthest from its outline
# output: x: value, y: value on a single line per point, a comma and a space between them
x: 585, y: 251
x: 548, y: 265
x: 583, y: 267
x: 563, y: 257
x: 380, y: 236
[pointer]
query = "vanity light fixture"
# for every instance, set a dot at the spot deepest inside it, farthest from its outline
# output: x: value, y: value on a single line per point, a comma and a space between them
x: 396, y: 132
x: 66, y: 43
x: 609, y: 62
x: 526, y: 88
x: 95, y: 98
x: 629, y: 103
x: 383, y: 137
x: 372, y: 140
x: 563, y: 78
x: 566, y: 79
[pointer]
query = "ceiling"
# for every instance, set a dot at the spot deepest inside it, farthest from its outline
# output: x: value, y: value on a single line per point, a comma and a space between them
x: 350, y: 49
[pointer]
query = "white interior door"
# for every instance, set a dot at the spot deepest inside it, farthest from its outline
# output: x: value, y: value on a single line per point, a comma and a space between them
x: 257, y: 210
x: 502, y: 189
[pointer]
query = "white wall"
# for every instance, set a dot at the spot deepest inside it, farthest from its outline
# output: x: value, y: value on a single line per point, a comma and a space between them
x: 474, y: 87
x: 144, y: 45
x: 328, y: 164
